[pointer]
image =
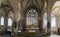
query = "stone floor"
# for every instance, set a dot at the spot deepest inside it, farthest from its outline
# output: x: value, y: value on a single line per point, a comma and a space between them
x: 6, y: 35
x: 42, y: 36
x: 55, y: 35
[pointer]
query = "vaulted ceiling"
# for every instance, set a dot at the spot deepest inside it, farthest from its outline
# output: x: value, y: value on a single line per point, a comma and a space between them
x: 24, y: 3
x: 37, y: 3
x: 28, y: 3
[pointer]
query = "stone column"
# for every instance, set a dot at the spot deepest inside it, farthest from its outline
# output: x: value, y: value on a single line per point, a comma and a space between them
x: 57, y: 20
x: 0, y: 24
x: 16, y: 15
x: 23, y: 18
x: 49, y: 22
x: 58, y: 24
x: 48, y: 10
x: 6, y: 22
x: 15, y: 21
x: 5, y: 18
x: 0, y: 19
x: 40, y: 22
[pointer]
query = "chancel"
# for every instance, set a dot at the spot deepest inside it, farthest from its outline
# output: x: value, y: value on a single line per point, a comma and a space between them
x: 29, y: 18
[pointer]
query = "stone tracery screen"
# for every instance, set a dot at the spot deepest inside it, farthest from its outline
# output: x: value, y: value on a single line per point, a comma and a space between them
x: 32, y: 20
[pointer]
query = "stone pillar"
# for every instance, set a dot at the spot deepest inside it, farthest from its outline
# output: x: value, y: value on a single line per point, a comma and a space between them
x: 6, y: 22
x: 40, y: 22
x: 0, y: 24
x: 58, y: 24
x: 0, y: 19
x: 15, y: 21
x: 49, y: 22
x: 16, y: 15
x: 5, y: 18
x: 23, y: 18
x: 48, y: 10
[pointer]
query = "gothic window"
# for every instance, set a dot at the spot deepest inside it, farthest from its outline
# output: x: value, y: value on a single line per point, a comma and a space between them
x: 53, y: 23
x: 2, y: 20
x: 53, y: 20
x: 32, y: 19
x: 45, y: 20
x: 10, y: 23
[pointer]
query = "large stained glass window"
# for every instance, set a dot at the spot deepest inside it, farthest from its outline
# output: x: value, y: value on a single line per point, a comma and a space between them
x: 32, y: 20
